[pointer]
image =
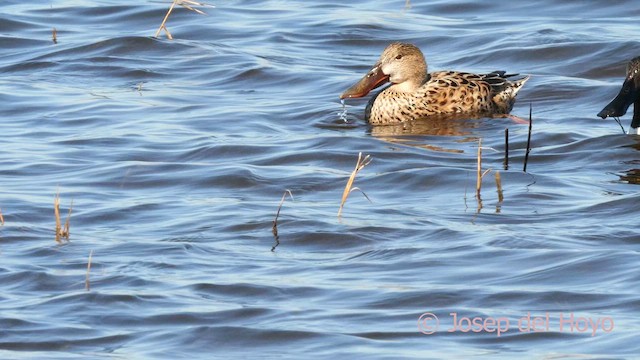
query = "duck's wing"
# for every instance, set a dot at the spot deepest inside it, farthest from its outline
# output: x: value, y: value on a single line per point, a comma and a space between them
x: 504, y: 87
x: 499, y: 78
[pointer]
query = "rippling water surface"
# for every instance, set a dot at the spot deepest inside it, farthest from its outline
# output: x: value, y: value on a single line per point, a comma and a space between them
x: 176, y: 155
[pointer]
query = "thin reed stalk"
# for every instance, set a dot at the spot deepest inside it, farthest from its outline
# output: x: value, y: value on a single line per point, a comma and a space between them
x: 1, y: 218
x: 506, y: 149
x: 362, y: 162
x: 164, y: 21
x: 54, y: 35
x: 188, y: 4
x: 274, y: 228
x: 526, y: 155
x: 479, y: 173
x: 479, y: 170
x: 87, y: 282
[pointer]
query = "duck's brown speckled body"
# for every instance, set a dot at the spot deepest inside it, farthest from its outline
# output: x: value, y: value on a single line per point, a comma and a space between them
x: 416, y: 94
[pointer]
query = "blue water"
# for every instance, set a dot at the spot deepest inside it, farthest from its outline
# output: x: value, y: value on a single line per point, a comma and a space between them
x: 176, y: 154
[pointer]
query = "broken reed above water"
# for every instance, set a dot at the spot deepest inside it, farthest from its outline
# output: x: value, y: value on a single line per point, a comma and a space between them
x: 505, y: 163
x: 526, y: 155
x: 61, y: 232
x: 188, y: 4
x: 274, y: 228
x: 362, y: 162
x: 479, y: 173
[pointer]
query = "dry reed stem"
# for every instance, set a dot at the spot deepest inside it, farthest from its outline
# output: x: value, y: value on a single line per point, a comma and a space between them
x: 61, y: 232
x: 54, y: 35
x: 499, y: 186
x: 166, y: 17
x: 362, y: 162
x: 480, y: 174
x: 1, y: 218
x: 188, y: 4
x: 169, y: 36
x: 87, y: 283
x: 274, y: 228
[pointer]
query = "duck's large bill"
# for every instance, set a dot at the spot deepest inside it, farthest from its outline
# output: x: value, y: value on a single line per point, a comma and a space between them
x: 374, y: 78
x: 627, y: 96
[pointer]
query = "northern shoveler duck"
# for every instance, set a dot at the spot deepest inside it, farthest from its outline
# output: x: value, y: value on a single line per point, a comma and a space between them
x: 629, y: 94
x: 416, y: 94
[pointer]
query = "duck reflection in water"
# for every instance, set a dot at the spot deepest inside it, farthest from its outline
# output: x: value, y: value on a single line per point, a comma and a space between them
x: 420, y: 133
x: 631, y: 176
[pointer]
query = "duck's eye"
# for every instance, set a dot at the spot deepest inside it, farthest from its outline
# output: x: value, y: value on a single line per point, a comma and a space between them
x: 398, y: 57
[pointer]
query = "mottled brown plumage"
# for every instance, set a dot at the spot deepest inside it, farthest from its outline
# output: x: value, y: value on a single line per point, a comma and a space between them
x: 416, y: 94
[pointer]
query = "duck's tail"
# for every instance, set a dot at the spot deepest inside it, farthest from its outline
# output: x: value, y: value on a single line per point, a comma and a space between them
x: 505, y: 95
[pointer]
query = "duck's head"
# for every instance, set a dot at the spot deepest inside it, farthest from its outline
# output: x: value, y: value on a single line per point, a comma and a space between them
x: 629, y: 94
x: 400, y: 64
